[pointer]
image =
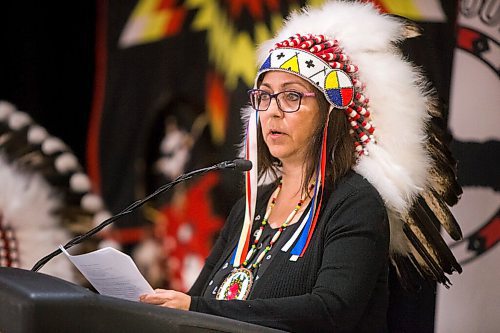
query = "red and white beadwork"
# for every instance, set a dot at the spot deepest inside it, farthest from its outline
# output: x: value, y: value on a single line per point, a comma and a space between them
x: 9, y: 254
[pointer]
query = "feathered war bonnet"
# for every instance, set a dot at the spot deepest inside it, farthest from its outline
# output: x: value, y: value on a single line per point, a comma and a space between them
x: 45, y: 197
x: 348, y: 51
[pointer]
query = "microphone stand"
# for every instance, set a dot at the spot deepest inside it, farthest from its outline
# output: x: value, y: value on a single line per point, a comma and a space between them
x: 237, y: 164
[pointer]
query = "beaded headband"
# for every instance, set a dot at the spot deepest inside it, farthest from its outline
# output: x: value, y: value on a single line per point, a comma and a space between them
x: 321, y: 61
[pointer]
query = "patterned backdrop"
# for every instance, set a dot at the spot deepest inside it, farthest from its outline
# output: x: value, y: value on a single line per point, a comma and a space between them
x: 170, y: 79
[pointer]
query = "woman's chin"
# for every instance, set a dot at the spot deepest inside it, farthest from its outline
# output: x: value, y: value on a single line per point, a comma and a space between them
x: 278, y: 153
x: 283, y: 156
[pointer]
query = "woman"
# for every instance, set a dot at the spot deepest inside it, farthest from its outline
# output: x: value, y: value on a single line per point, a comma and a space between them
x: 349, y: 247
x: 310, y: 251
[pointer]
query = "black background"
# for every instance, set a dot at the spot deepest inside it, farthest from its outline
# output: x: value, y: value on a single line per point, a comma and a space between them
x: 47, y: 66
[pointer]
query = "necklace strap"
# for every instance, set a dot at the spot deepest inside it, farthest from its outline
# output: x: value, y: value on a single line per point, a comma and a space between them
x: 277, y: 234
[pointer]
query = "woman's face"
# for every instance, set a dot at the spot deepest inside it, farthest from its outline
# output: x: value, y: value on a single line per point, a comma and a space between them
x: 287, y: 134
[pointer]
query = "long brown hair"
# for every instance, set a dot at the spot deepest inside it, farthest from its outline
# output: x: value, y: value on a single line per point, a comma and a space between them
x: 340, y: 147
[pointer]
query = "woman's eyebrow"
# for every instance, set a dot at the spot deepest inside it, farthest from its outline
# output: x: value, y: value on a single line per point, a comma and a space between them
x: 286, y: 84
x: 266, y: 85
x: 289, y: 83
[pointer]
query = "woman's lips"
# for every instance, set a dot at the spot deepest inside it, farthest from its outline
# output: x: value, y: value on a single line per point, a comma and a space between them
x: 275, y: 134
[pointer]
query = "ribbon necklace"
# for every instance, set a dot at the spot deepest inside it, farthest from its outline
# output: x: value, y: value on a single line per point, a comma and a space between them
x: 238, y: 283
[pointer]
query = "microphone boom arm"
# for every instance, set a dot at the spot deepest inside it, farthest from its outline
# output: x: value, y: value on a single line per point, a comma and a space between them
x: 236, y: 164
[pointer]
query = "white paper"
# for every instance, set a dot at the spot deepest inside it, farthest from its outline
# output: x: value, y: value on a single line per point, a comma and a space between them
x: 112, y: 273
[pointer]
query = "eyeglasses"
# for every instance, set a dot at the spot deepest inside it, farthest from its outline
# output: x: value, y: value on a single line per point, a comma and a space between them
x: 288, y: 101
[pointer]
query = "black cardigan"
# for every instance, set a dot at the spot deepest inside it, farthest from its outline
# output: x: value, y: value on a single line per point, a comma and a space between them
x: 339, y: 285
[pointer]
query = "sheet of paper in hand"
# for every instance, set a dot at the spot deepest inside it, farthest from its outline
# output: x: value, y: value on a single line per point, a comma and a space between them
x: 111, y: 273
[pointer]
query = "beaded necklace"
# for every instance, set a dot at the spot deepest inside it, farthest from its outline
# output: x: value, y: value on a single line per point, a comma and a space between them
x: 238, y: 283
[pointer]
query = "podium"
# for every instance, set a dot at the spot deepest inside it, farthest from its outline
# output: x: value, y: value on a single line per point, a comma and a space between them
x: 36, y: 302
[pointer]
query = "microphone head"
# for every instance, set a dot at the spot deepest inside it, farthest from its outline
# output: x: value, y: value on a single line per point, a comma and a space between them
x: 242, y: 165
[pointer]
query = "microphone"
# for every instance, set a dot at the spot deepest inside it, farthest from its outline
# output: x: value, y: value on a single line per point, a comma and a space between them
x: 236, y: 165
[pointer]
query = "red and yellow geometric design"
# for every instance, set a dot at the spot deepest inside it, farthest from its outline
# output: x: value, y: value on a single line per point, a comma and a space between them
x: 417, y: 10
x: 152, y: 20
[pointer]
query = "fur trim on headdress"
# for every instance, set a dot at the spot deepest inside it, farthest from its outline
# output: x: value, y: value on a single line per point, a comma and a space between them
x: 402, y: 163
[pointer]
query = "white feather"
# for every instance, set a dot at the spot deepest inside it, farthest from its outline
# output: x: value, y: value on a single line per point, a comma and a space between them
x: 79, y: 182
x: 66, y: 162
x: 6, y: 109
x: 27, y: 204
x: 36, y: 134
x: 352, y: 23
x: 53, y: 145
x: 19, y: 119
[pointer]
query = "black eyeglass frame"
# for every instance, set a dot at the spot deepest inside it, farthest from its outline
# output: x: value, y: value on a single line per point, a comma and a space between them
x: 275, y: 96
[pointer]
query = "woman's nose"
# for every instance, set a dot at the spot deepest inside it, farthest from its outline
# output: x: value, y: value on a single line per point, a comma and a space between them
x: 274, y: 110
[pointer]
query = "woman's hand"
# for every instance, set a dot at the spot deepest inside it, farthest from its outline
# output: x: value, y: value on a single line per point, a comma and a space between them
x: 168, y: 298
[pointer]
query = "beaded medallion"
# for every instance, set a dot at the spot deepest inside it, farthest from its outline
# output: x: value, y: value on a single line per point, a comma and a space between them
x: 236, y: 285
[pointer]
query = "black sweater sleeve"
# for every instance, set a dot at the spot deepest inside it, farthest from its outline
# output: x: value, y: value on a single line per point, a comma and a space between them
x: 356, y: 241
